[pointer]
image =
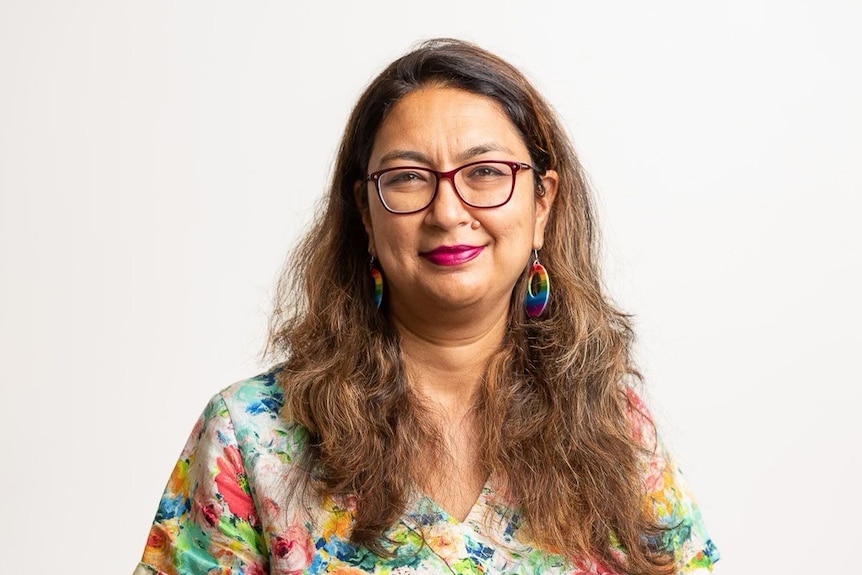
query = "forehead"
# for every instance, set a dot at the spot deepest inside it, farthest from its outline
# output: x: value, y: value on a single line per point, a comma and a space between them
x: 445, y: 124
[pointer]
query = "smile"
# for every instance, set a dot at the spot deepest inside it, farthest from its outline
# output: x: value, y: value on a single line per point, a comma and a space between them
x: 452, y: 255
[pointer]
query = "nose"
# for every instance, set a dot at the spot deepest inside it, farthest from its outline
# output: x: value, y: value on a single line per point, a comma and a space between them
x: 446, y: 209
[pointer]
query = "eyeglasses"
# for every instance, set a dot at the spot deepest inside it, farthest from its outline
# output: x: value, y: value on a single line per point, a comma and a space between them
x: 410, y: 189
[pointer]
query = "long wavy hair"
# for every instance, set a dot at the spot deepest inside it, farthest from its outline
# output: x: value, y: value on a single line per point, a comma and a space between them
x: 553, y: 411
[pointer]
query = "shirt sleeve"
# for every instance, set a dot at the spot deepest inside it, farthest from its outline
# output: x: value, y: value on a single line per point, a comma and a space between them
x: 207, y: 521
x: 671, y: 500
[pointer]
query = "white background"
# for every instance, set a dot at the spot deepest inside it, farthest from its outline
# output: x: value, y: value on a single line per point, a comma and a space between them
x: 158, y: 160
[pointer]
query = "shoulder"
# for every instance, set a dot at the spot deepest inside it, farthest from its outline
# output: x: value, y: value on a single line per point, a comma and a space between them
x: 253, y: 409
x: 641, y: 424
x: 667, y: 492
x: 220, y: 500
x: 253, y: 397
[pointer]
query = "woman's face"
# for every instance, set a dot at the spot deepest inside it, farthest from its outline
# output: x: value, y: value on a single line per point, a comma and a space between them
x: 451, y: 256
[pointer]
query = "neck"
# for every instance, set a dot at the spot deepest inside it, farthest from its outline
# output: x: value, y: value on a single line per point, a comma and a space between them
x: 446, y: 360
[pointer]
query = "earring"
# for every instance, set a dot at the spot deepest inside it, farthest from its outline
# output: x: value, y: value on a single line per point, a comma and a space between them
x: 377, y: 278
x: 535, y: 302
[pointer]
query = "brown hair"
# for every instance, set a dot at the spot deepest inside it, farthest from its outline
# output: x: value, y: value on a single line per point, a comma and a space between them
x: 553, y: 410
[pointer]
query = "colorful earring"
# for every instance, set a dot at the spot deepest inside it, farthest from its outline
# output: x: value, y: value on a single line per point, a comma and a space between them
x: 536, y: 301
x: 377, y: 277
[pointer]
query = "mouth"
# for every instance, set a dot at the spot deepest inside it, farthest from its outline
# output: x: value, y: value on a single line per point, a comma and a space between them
x: 452, y: 255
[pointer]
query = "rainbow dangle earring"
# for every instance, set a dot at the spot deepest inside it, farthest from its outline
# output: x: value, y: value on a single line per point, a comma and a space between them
x: 377, y: 278
x: 536, y: 301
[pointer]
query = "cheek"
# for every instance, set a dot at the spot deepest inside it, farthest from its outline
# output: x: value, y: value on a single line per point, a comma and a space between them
x: 514, y: 227
x: 391, y: 235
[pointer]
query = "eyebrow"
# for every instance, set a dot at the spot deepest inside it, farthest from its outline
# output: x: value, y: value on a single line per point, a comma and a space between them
x: 467, y: 154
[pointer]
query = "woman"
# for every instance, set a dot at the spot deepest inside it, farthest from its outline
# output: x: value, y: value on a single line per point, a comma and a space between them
x: 439, y: 409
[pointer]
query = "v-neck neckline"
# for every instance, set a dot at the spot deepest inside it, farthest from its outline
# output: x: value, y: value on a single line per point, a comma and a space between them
x: 474, y: 515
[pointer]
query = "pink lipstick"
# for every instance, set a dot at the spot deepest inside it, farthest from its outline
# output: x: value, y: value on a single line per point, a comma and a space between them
x: 452, y: 255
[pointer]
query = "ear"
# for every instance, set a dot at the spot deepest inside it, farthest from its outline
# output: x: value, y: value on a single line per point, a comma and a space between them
x: 544, y: 201
x: 360, y: 196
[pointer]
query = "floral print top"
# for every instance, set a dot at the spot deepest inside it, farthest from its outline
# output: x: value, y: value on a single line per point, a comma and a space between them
x: 224, y: 511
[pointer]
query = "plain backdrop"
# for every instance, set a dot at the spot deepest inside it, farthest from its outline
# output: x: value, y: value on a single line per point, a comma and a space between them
x: 159, y: 159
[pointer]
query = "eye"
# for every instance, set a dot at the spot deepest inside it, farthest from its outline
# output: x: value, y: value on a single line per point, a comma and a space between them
x: 405, y: 178
x: 485, y: 172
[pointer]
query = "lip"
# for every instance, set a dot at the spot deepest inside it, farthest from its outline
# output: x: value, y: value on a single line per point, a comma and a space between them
x: 452, y: 255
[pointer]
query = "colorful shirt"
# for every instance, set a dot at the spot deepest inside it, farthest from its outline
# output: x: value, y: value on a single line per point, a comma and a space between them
x: 225, y: 511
